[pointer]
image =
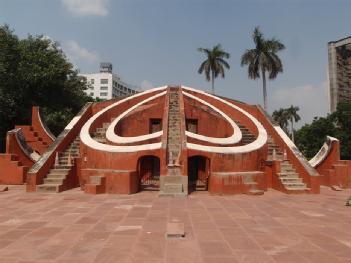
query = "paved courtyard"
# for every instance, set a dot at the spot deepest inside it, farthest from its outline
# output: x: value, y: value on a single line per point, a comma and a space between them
x: 76, y: 227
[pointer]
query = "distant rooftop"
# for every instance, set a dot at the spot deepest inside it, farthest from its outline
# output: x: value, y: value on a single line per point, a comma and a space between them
x: 106, y: 67
x: 341, y: 42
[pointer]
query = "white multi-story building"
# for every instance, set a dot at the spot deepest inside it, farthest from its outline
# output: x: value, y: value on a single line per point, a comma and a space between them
x: 107, y: 85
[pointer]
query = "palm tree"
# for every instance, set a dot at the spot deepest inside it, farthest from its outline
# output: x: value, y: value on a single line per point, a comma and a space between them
x: 214, y: 63
x: 281, y: 117
x: 263, y: 58
x: 293, y: 116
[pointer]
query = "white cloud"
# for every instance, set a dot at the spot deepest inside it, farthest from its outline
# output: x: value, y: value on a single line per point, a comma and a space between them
x: 87, y: 7
x: 76, y: 52
x: 312, y: 100
x: 145, y: 84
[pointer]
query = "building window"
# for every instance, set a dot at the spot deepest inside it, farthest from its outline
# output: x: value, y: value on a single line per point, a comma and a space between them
x: 92, y: 81
x: 155, y: 125
x: 103, y: 81
x: 92, y: 94
x: 103, y: 94
x: 191, y: 125
x: 104, y: 88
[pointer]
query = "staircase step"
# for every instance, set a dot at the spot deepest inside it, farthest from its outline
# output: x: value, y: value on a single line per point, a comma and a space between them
x: 53, y: 180
x: 59, y: 171
x: 294, y: 185
x: 56, y: 176
x: 48, y: 188
x: 290, y: 179
x: 59, y: 167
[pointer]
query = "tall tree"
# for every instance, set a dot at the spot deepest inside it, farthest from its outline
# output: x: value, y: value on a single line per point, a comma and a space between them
x: 35, y: 71
x: 214, y: 64
x: 310, y: 137
x: 281, y: 117
x: 293, y: 117
x: 263, y: 59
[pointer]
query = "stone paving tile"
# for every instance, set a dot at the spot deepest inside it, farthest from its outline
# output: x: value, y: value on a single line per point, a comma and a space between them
x: 75, y: 227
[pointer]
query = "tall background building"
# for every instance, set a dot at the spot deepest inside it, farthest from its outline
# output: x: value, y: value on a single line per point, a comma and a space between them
x: 107, y: 85
x: 339, y: 55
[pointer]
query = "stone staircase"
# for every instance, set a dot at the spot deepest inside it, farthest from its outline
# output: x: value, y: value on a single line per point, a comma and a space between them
x: 173, y: 137
x: 279, y: 155
x: 10, y: 164
x: 96, y: 185
x: 174, y: 184
x: 201, y: 185
x: 290, y: 178
x: 100, y: 133
x: 33, y: 139
x: 252, y: 185
x: 57, y: 178
x: 247, y: 136
x: 288, y: 175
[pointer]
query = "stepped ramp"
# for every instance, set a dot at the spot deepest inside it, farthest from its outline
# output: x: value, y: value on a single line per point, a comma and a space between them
x: 42, y: 167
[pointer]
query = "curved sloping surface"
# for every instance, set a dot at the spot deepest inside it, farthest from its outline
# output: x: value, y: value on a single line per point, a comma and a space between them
x: 323, y: 152
x: 234, y: 138
x: 22, y: 144
x: 89, y: 141
x: 113, y: 137
x: 258, y: 143
x: 40, y: 125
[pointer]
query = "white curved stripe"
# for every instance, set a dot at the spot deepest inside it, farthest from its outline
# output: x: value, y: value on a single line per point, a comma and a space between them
x: 234, y: 138
x: 86, y: 138
x: 113, y: 137
x: 255, y: 145
x: 323, y: 152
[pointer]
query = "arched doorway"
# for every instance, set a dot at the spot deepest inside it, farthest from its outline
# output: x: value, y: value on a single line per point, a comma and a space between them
x: 198, y: 173
x: 149, y: 173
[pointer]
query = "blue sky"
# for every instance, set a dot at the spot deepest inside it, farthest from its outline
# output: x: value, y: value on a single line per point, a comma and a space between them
x: 154, y: 42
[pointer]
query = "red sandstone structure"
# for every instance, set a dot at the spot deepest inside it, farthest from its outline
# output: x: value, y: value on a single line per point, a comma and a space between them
x: 24, y: 146
x: 176, y: 140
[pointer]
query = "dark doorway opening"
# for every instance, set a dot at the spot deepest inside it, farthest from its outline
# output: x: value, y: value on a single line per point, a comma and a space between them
x: 191, y: 125
x: 155, y: 125
x: 149, y: 173
x: 198, y: 173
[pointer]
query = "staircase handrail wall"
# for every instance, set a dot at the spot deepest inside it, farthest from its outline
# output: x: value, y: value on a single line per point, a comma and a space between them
x: 283, y: 141
x: 16, y: 144
x: 39, y: 170
x: 324, y: 152
x: 40, y: 126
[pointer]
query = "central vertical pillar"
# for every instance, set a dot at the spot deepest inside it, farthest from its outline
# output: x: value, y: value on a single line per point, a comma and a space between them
x: 175, y: 183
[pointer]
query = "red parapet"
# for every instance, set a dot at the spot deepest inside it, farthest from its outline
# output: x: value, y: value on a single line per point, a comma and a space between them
x: 334, y: 172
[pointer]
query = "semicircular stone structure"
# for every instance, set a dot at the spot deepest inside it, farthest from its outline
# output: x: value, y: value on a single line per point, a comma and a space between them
x: 174, y: 140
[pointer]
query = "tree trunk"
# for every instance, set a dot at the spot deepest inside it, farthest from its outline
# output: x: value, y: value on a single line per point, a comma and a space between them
x: 264, y: 90
x: 213, y: 83
x: 292, y: 130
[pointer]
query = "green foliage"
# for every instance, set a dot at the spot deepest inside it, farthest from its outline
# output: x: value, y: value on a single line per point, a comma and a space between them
x: 35, y: 71
x: 263, y: 59
x: 214, y: 64
x: 281, y: 117
x: 311, y: 137
x: 342, y: 118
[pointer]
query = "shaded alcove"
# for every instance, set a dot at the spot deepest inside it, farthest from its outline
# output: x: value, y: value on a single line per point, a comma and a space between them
x: 149, y: 173
x: 198, y: 173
